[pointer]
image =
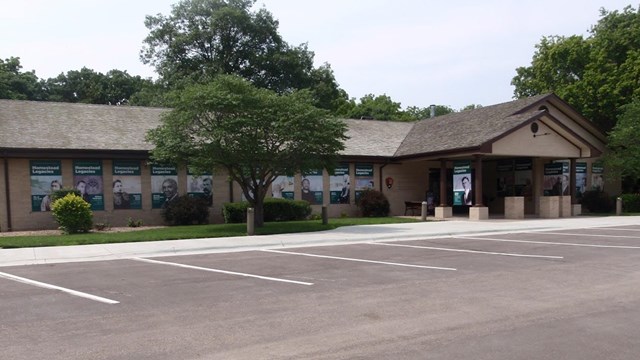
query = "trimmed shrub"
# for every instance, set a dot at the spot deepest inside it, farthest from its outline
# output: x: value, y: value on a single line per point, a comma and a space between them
x: 235, y: 213
x: 274, y: 210
x: 373, y: 203
x: 72, y: 214
x: 285, y: 210
x: 597, y: 201
x: 630, y: 202
x: 186, y: 210
x: 59, y: 194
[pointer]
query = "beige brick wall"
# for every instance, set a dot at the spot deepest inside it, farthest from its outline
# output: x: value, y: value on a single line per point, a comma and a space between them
x: 23, y: 218
x: 3, y: 199
x: 410, y: 182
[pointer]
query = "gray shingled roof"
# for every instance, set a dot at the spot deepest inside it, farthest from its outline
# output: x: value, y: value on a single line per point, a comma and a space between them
x: 67, y: 126
x: 467, y: 129
x: 375, y: 138
x: 51, y: 125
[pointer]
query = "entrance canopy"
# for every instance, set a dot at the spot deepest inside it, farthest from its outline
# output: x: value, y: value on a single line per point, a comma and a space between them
x: 540, y: 126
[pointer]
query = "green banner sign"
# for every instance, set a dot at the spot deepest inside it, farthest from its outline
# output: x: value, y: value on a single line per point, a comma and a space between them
x: 87, y: 179
x: 340, y: 185
x: 200, y: 186
x: 312, y: 185
x: 164, y: 185
x: 523, y: 164
x: 46, y: 177
x: 462, y: 183
x: 364, y: 178
x: 127, y: 184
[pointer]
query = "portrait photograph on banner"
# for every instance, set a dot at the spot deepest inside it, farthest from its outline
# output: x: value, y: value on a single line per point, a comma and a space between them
x: 200, y: 186
x: 462, y: 183
x: 46, y: 177
x: 283, y: 187
x: 164, y: 185
x: 311, y: 187
x: 364, y: 179
x: 127, y: 184
x: 339, y: 185
x: 552, y: 183
x: 87, y: 179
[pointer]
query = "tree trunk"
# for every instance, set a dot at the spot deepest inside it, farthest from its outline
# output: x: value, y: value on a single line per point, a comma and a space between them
x: 258, y: 212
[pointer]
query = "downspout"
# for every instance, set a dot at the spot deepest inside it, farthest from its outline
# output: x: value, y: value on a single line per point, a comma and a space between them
x: 7, y: 192
x: 380, y: 182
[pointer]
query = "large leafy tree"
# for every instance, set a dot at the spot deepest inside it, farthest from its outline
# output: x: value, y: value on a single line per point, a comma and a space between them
x: 88, y: 86
x: 597, y: 74
x: 380, y: 107
x: 204, y: 38
x: 254, y: 134
x: 18, y: 85
x: 624, y: 158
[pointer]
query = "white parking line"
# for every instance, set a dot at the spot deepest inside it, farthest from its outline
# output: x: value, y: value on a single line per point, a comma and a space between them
x: 548, y: 243
x: 617, y: 229
x: 592, y: 235
x: 222, y: 271
x: 468, y: 251
x: 54, y: 287
x: 359, y: 260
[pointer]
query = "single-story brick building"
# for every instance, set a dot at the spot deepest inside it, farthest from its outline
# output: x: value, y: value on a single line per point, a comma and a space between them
x: 532, y: 156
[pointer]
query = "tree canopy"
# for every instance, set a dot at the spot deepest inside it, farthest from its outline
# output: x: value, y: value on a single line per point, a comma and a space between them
x: 254, y: 134
x: 204, y: 38
x: 382, y: 107
x: 18, y: 85
x: 624, y: 158
x: 597, y: 75
x: 88, y: 86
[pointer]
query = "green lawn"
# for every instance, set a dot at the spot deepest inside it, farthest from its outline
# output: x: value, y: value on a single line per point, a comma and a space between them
x: 189, y: 232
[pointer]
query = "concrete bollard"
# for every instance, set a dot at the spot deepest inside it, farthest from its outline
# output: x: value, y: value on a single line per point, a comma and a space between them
x: 619, y: 206
x: 325, y: 215
x: 424, y: 211
x: 251, y: 222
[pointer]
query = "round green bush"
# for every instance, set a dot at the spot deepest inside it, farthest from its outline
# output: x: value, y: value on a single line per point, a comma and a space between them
x: 72, y: 214
x: 373, y: 203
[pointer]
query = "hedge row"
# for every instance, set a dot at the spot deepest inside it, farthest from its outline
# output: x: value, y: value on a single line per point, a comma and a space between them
x: 274, y: 210
x: 630, y: 202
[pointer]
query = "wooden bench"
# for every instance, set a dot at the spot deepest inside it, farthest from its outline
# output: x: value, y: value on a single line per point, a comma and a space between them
x: 413, y: 206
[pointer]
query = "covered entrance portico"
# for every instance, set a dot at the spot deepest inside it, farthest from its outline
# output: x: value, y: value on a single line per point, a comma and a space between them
x: 507, y: 152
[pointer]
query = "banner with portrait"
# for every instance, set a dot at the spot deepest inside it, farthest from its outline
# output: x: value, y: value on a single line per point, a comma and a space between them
x: 462, y: 184
x: 87, y: 179
x: 597, y: 177
x: 200, y: 186
x: 364, y: 178
x: 127, y: 184
x: 46, y: 177
x: 505, y: 178
x: 283, y: 187
x: 552, y: 183
x: 311, y: 187
x: 581, y: 178
x: 523, y: 175
x: 339, y: 185
x: 164, y: 185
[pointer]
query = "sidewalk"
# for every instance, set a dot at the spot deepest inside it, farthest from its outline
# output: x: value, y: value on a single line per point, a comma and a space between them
x: 340, y: 236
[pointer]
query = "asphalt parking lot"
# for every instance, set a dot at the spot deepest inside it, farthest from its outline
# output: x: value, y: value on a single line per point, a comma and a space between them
x: 559, y: 294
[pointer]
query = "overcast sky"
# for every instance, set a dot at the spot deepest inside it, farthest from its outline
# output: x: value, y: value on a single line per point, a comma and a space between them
x: 418, y: 52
